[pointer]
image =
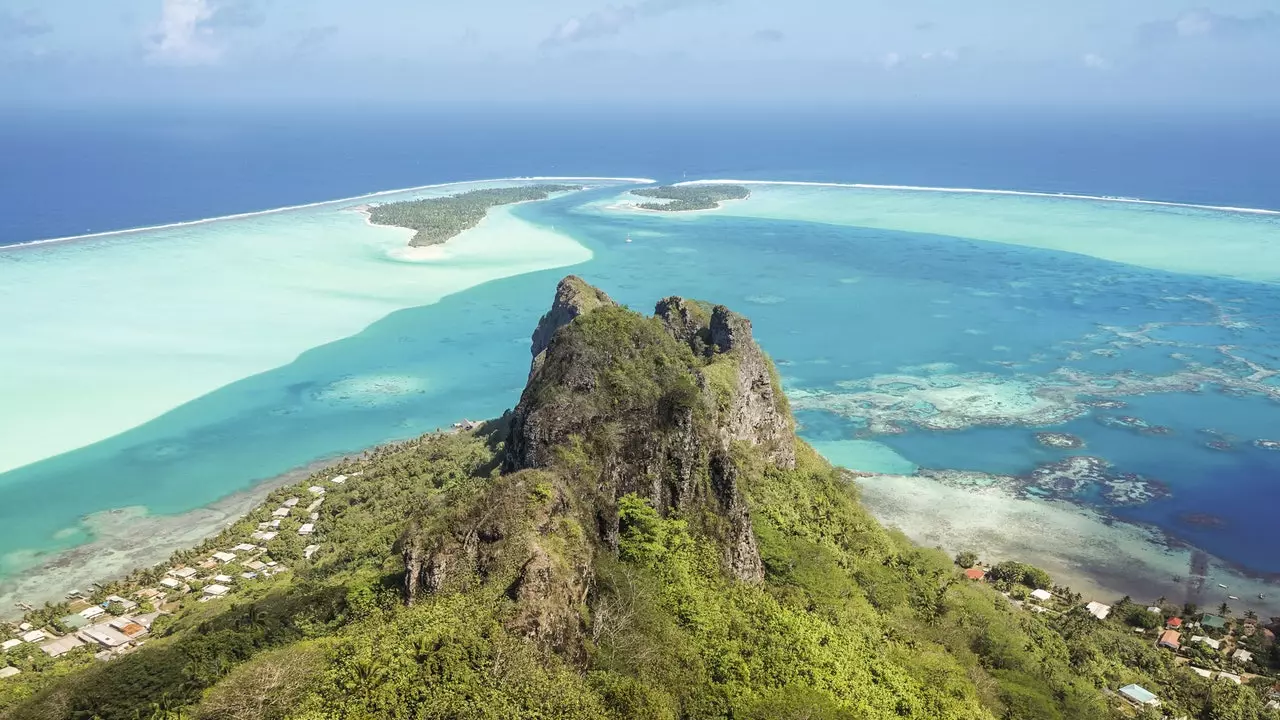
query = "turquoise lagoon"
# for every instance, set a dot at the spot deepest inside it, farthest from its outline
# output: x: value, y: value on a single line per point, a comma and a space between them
x: 920, y: 334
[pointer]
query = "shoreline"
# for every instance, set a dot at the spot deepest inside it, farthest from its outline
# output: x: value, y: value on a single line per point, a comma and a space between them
x: 981, y: 191
x: 129, y: 538
x: 305, y: 206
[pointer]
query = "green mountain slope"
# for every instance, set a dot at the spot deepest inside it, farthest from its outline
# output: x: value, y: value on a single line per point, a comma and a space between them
x: 642, y: 537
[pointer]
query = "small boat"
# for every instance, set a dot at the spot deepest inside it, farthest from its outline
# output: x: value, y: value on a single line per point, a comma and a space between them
x: 628, y: 237
x: 1261, y: 596
x: 1232, y: 597
x: 1224, y: 587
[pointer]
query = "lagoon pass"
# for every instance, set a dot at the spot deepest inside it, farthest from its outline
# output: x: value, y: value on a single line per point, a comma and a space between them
x: 1084, y: 383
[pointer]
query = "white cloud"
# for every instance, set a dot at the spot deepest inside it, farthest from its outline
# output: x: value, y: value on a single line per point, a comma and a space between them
x: 1196, y: 22
x: 613, y: 19
x: 1095, y: 61
x: 891, y: 60
x: 180, y: 38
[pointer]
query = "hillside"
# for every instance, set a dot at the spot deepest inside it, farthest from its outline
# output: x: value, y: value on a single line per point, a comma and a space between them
x: 643, y: 536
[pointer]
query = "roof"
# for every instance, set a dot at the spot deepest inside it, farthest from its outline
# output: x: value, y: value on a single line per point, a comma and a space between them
x: 975, y: 573
x: 1230, y: 676
x: 1213, y: 621
x: 1098, y: 610
x: 291, y: 502
x: 306, y: 529
x: 1242, y: 655
x: 9, y: 644
x: 170, y: 583
x: 182, y: 572
x: 92, y: 612
x: 217, y: 590
x: 74, y: 621
x: 1041, y: 594
x: 245, y: 547
x: 1139, y: 694
x: 339, y: 479
x: 62, y: 646
x: 8, y: 672
x: 1170, y: 638
x: 225, y: 557
x: 280, y: 512
x: 104, y: 635
x: 1215, y: 644
x: 34, y: 636
x: 1174, y: 622
x: 1202, y: 672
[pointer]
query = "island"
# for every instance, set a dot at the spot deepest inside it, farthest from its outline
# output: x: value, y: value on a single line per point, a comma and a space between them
x: 438, y: 219
x: 683, y: 198
x: 642, y: 536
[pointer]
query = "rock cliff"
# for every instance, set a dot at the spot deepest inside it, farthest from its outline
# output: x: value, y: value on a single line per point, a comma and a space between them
x: 669, y: 408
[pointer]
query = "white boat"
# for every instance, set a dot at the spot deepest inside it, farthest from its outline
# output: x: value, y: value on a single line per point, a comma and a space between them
x: 628, y: 238
x: 1224, y: 587
x: 1232, y: 597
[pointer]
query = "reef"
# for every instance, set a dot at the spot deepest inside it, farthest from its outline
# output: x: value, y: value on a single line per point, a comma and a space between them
x: 1074, y: 479
x: 1059, y: 441
x: 1202, y: 520
x: 1267, y: 444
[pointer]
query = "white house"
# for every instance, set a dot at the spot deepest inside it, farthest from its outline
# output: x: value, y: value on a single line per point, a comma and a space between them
x: 309, y: 550
x: 339, y: 479
x: 1215, y: 644
x: 1242, y: 655
x: 1041, y: 595
x: 126, y: 604
x: 8, y: 672
x: 315, y: 490
x: 61, y: 646
x: 280, y: 512
x: 183, y: 573
x: 306, y: 529
x: 1139, y: 695
x: 1202, y: 672
x: 92, y: 612
x: 8, y: 645
x: 34, y: 636
x: 224, y: 557
x: 291, y: 502
x: 216, y: 590
x: 1228, y: 676
x: 245, y: 547
x: 104, y: 635
x: 1098, y: 610
x: 223, y: 579
x: 170, y: 583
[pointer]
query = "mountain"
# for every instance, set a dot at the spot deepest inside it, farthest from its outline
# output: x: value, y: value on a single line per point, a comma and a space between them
x: 643, y: 536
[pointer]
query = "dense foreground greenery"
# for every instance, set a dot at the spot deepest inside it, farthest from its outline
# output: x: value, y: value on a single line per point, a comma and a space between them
x: 683, y: 198
x: 851, y: 622
x: 439, y: 219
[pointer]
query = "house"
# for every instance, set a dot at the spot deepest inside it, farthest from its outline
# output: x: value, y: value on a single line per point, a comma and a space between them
x: 75, y: 621
x: 61, y: 646
x: 129, y: 627
x: 8, y: 672
x: 1169, y: 639
x: 1242, y: 655
x: 182, y: 573
x: 146, y: 620
x: 1228, y: 676
x: 245, y: 547
x: 1213, y: 621
x: 255, y: 564
x: 279, y: 513
x: 1215, y: 644
x: 306, y: 529
x: 1174, y: 623
x: 1202, y: 672
x: 216, y: 591
x: 91, y: 612
x: 265, y: 535
x: 105, y: 635
x: 1041, y: 595
x: 34, y: 636
x: 309, y: 550
x: 148, y: 594
x: 291, y: 502
x: 126, y: 604
x: 224, y: 557
x: 1156, y: 610
x: 315, y: 490
x: 315, y: 505
x: 1139, y: 696
x: 223, y: 579
x: 1099, y: 611
x: 339, y: 479
x: 8, y: 645
x: 975, y: 573
x: 170, y: 583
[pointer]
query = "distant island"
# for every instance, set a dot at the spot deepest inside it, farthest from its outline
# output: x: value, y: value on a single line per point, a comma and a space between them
x: 436, y: 220
x: 683, y: 198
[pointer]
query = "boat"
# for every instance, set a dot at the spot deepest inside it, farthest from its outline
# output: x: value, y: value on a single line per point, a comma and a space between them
x: 628, y: 237
x: 1224, y: 587
x: 1232, y: 597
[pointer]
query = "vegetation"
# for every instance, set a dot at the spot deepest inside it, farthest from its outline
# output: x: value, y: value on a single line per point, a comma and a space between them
x: 436, y: 220
x: 682, y: 198
x: 851, y: 621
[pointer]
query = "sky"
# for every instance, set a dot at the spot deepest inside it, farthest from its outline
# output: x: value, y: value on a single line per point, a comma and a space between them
x: 1083, y: 53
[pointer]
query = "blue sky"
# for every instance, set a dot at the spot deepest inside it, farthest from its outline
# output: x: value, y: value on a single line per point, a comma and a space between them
x: 1077, y: 52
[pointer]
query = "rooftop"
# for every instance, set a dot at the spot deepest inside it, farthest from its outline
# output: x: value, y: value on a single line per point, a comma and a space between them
x: 1139, y: 695
x: 1213, y: 621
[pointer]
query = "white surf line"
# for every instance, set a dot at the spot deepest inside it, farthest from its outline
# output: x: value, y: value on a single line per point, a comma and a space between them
x: 980, y: 191
x: 322, y: 203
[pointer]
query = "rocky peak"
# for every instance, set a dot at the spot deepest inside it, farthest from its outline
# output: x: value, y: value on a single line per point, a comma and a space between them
x: 574, y: 297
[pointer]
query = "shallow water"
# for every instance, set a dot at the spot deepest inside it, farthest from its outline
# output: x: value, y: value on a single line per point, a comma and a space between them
x: 875, y: 329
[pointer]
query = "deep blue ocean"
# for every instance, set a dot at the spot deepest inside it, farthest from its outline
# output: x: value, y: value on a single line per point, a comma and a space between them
x: 70, y: 174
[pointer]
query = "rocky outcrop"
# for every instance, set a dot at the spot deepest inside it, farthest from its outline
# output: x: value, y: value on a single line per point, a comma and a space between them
x: 574, y: 297
x: 672, y: 409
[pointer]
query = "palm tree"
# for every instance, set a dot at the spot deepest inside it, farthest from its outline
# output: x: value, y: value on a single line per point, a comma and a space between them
x: 1224, y: 609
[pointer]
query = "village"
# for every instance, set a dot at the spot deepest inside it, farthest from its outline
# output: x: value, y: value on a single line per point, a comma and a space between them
x: 1215, y: 646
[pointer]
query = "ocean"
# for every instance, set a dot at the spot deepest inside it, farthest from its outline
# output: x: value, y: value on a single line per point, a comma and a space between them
x: 920, y: 333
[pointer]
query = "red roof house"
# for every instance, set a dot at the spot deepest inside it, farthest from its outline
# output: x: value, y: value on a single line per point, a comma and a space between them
x: 1174, y: 623
x: 1169, y: 639
x: 975, y: 573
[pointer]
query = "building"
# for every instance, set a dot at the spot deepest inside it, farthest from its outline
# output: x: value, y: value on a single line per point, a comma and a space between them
x: 170, y: 583
x: 1242, y: 655
x: 315, y: 490
x: 1214, y: 621
x: 75, y: 621
x: 306, y: 529
x: 61, y: 646
x: 339, y: 479
x: 129, y: 627
x: 1202, y: 672
x: 309, y: 550
x: 1139, y: 696
x: 216, y: 590
x: 126, y: 604
x: 104, y: 635
x: 34, y: 636
x: 975, y: 573
x: 224, y: 557
x: 8, y: 645
x: 245, y: 547
x: 1215, y: 644
x: 182, y: 573
x: 1229, y: 676
x: 1174, y: 623
x: 8, y: 672
x: 1169, y: 639
x: 279, y: 513
x: 91, y: 612
x: 1041, y: 595
x: 1099, y: 611
x: 291, y: 502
